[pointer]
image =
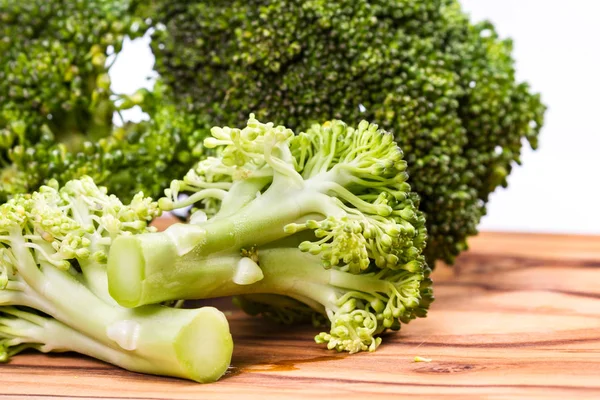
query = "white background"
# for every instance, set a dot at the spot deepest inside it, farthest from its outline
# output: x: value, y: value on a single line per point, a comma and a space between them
x: 557, y: 50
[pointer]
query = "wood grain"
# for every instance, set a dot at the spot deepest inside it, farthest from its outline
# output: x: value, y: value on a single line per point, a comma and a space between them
x: 518, y: 317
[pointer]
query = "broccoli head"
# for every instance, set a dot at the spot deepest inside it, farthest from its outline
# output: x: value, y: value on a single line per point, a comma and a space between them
x: 322, y: 225
x: 53, y: 72
x: 57, y: 108
x: 54, y: 83
x: 443, y: 86
x: 142, y: 156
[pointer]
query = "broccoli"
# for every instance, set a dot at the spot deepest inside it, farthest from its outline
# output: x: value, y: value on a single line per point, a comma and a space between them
x: 54, y: 83
x: 148, y: 155
x: 142, y: 156
x: 443, y: 86
x: 302, y: 226
x: 54, y: 293
x: 56, y: 105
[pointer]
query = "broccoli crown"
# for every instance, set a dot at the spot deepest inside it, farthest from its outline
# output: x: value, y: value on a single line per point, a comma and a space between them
x: 325, y: 217
x: 142, y: 156
x: 54, y: 85
x: 56, y: 106
x: 444, y: 87
x: 53, y: 251
x: 53, y: 72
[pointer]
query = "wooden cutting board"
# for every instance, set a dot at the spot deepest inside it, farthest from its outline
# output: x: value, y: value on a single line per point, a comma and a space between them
x: 517, y: 317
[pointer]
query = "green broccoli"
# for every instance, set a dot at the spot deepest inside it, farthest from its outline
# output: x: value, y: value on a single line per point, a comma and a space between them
x: 54, y: 83
x: 54, y: 293
x: 148, y: 155
x: 142, y: 156
x: 56, y: 105
x: 444, y: 87
x: 300, y: 227
x: 53, y: 73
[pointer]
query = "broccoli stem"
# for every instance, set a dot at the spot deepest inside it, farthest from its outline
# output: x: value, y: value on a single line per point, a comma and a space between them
x: 95, y: 279
x: 239, y: 230
x: 49, y: 335
x: 94, y: 273
x: 286, y: 271
x: 154, y: 339
x: 240, y: 194
x: 183, y: 347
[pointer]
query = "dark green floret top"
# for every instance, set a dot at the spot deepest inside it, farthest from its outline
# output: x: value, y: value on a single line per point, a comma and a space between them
x: 57, y: 106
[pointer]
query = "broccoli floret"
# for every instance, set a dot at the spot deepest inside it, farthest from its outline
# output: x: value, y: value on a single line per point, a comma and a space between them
x: 56, y: 105
x: 53, y: 72
x: 54, y: 82
x: 325, y: 218
x: 53, y: 75
x: 142, y: 156
x: 444, y: 87
x: 148, y: 155
x: 54, y: 294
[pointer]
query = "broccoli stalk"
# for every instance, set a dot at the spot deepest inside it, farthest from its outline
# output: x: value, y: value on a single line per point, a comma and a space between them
x: 325, y: 217
x: 54, y: 294
x: 358, y: 306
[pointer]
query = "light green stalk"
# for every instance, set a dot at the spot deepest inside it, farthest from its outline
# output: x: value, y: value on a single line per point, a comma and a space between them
x: 54, y: 292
